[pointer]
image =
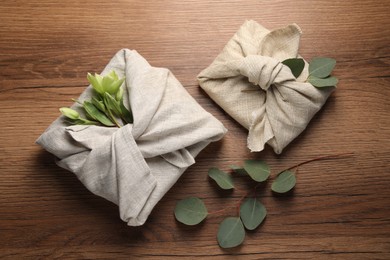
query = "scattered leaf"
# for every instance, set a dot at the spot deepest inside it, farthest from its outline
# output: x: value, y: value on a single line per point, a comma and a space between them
x: 326, y: 82
x: 231, y: 232
x: 223, y: 179
x: 252, y: 213
x: 190, y: 211
x: 296, y: 66
x: 284, y: 182
x: 321, y: 67
x: 257, y: 170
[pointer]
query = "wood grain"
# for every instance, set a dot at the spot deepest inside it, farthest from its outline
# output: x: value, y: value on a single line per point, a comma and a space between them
x: 340, y: 208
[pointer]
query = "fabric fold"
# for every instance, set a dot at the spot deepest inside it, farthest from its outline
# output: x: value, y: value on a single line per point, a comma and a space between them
x: 135, y: 165
x: 250, y: 82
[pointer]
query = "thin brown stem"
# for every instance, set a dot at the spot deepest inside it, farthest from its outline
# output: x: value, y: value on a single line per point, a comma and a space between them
x: 220, y: 211
x: 326, y: 157
x: 238, y: 204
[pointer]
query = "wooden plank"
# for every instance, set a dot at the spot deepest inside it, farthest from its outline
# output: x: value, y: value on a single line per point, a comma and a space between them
x: 340, y: 208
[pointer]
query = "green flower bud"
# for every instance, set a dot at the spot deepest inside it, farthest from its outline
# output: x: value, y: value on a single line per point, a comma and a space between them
x: 70, y: 113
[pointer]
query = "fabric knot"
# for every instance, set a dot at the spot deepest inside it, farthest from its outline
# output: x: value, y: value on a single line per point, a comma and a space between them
x: 260, y: 70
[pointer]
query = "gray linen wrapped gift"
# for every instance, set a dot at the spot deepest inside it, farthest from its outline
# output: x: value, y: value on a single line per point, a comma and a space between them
x: 248, y: 80
x: 135, y: 165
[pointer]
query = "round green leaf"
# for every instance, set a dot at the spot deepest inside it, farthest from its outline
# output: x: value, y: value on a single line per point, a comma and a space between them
x: 190, y: 211
x: 252, y: 213
x: 321, y: 67
x: 231, y: 232
x: 257, y: 170
x: 326, y: 82
x: 296, y: 66
x: 223, y: 179
x: 284, y: 182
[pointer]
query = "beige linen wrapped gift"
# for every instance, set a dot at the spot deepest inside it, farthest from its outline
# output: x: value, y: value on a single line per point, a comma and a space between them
x: 135, y: 165
x: 248, y: 80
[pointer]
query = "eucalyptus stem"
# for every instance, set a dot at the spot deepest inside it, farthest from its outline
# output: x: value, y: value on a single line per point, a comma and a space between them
x: 326, y: 157
x: 217, y: 212
x: 238, y: 203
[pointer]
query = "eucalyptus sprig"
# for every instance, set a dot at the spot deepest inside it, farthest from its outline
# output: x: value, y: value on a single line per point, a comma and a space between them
x: 320, y: 69
x: 251, y: 212
x: 106, y: 106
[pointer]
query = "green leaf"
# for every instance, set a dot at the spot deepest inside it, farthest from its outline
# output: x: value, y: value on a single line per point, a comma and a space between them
x: 223, y: 179
x: 190, y: 211
x: 284, y: 182
x: 231, y: 232
x: 257, y: 170
x: 326, y: 82
x: 252, y: 213
x: 97, y: 114
x: 238, y: 169
x: 296, y: 66
x: 112, y: 104
x: 70, y: 113
x: 119, y: 94
x: 82, y: 121
x: 126, y: 114
x: 99, y: 104
x: 321, y: 67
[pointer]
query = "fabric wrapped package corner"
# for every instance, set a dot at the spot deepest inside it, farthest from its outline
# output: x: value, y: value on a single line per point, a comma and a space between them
x: 248, y: 80
x: 135, y: 165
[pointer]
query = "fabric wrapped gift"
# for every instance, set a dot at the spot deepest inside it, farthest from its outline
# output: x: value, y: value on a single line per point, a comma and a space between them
x: 248, y: 80
x: 135, y: 165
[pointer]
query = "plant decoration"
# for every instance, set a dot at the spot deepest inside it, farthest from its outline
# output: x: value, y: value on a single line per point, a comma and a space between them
x: 106, y: 106
x: 250, y: 211
x: 319, y: 70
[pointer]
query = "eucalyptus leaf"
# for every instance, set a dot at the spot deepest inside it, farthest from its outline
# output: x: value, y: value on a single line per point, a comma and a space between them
x: 296, y: 66
x: 97, y: 114
x: 284, y: 182
x: 231, y: 232
x: 326, y: 82
x: 258, y: 170
x: 321, y: 67
x: 223, y: 179
x: 252, y: 213
x: 190, y: 211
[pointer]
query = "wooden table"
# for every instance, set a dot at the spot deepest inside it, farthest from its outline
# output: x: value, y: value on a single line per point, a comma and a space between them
x: 340, y: 208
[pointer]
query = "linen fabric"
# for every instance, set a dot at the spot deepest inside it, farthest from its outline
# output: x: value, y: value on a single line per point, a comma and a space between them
x: 135, y: 165
x: 248, y: 80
